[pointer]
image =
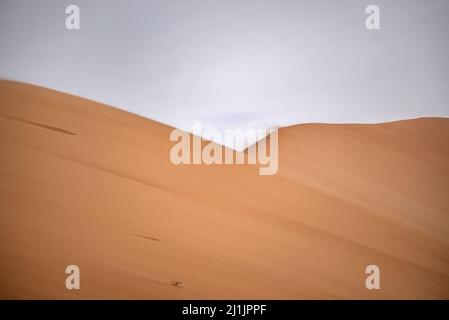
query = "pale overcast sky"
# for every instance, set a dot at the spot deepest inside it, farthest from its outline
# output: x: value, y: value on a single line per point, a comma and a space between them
x: 236, y: 63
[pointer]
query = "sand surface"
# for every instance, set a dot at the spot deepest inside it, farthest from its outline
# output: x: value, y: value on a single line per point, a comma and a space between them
x: 83, y: 183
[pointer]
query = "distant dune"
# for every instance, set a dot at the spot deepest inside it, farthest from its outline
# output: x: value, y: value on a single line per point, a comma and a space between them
x: 83, y: 183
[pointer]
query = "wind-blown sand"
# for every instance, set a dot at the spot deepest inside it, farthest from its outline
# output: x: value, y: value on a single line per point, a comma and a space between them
x: 83, y: 183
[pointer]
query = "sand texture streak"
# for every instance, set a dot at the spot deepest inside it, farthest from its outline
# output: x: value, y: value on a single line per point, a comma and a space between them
x: 87, y: 184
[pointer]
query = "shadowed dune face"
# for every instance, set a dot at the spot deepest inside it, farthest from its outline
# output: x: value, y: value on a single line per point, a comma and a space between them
x: 86, y: 184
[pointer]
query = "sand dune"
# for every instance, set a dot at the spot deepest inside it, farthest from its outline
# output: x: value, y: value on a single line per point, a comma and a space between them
x: 83, y: 183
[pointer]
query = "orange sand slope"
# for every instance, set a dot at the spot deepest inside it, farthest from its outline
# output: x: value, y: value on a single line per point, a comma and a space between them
x: 83, y: 183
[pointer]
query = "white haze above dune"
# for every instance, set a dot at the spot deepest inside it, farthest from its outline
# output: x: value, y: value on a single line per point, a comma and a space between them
x: 236, y: 64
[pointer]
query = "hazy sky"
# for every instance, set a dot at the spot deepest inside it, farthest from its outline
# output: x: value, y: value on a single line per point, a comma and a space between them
x: 236, y: 63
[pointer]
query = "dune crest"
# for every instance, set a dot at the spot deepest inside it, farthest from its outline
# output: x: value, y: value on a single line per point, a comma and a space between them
x: 90, y: 185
